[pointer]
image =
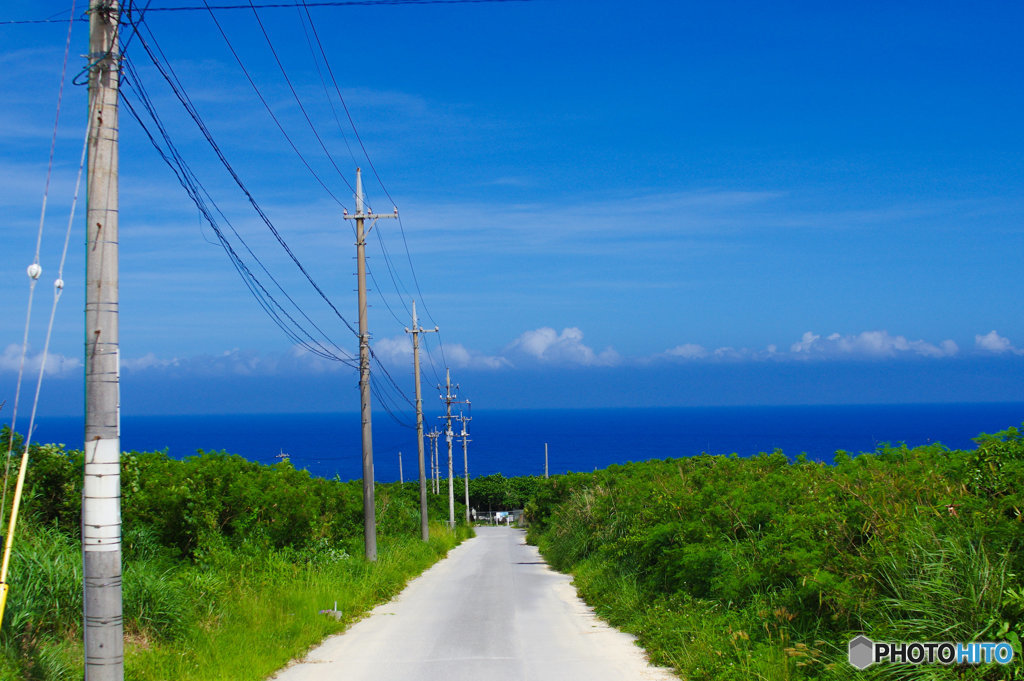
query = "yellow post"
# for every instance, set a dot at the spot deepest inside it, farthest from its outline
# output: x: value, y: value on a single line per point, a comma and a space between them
x: 9, y: 543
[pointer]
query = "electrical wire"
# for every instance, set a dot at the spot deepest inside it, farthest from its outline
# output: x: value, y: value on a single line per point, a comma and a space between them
x: 270, y: 111
x: 193, y: 187
x: 366, y: 154
x: 34, y: 269
x: 387, y: 390
x: 179, y: 92
x: 395, y: 278
x: 340, y: 3
x: 376, y: 288
x: 58, y: 289
x: 298, y: 101
x: 430, y: 360
x: 34, y: 272
x: 382, y: 395
x: 323, y: 81
x: 328, y: 3
x: 196, y: 192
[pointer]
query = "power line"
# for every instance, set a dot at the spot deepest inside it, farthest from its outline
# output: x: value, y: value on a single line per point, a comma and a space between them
x: 260, y: 292
x: 387, y: 390
x: 295, y: 94
x: 387, y: 258
x: 395, y: 280
x: 266, y: 300
x: 270, y: 111
x: 376, y: 288
x: 175, y: 84
x: 337, y: 3
x: 196, y: 191
x: 320, y: 74
x: 401, y: 226
x: 430, y: 359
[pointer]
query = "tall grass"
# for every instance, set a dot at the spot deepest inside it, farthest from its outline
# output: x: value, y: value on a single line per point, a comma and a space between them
x: 270, y: 612
x: 240, y: 616
x: 227, y: 563
x: 762, y: 568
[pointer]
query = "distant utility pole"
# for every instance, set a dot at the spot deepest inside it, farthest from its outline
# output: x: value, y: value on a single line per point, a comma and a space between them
x: 401, y: 478
x: 449, y: 398
x: 101, y: 494
x: 416, y: 331
x: 433, y: 434
x: 545, y: 459
x: 369, y: 520
x: 437, y: 461
x: 465, y: 457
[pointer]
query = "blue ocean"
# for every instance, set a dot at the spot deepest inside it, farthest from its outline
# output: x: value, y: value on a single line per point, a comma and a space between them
x: 512, y: 442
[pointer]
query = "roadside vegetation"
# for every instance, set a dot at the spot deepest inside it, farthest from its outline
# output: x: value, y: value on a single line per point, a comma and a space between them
x: 498, y: 493
x: 227, y: 564
x: 765, y: 568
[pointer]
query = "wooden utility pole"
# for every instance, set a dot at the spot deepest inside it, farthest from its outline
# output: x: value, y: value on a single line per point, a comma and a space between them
x: 369, y: 519
x: 101, y: 494
x: 465, y: 457
x: 449, y: 398
x: 545, y: 459
x: 416, y: 331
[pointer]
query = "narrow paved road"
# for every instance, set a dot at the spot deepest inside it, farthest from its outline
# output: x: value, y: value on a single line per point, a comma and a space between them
x: 491, y: 611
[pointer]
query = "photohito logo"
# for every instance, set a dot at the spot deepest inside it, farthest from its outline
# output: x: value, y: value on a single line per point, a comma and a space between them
x: 864, y: 652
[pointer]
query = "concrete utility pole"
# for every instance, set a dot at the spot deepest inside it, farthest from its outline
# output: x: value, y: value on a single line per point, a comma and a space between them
x: 465, y: 457
x: 416, y: 331
x: 369, y: 519
x: 401, y: 478
x: 545, y: 459
x: 437, y: 461
x: 449, y: 398
x: 101, y: 494
x: 434, y: 470
x: 433, y: 434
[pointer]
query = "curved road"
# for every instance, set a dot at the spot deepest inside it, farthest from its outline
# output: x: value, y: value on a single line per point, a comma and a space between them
x: 491, y: 611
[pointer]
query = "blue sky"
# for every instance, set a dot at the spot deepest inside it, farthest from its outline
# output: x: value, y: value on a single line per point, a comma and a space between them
x: 604, y: 203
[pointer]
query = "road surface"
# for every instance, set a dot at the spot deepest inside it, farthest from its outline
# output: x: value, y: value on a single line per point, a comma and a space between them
x: 491, y: 611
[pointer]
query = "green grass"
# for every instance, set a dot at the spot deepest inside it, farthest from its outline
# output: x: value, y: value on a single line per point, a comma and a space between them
x: 227, y: 563
x: 240, y: 616
x: 763, y: 568
x: 269, y: 614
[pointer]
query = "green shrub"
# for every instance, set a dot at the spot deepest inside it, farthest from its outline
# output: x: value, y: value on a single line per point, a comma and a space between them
x: 777, y: 564
x: 207, y: 542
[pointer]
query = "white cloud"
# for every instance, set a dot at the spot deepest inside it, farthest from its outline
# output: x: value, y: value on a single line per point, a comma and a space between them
x: 864, y: 345
x: 398, y: 351
x: 147, y: 361
x: 544, y: 345
x: 994, y: 343
x: 458, y: 356
x: 687, y: 351
x: 235, y: 362
x: 395, y: 350
x: 56, y: 364
x: 547, y: 345
x: 869, y: 344
x: 732, y: 353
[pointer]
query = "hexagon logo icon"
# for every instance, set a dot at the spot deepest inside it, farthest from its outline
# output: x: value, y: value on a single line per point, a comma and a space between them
x: 861, y: 653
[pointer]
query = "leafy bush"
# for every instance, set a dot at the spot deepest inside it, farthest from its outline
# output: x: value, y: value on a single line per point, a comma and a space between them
x: 798, y: 557
x: 497, y: 493
x: 200, y: 536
